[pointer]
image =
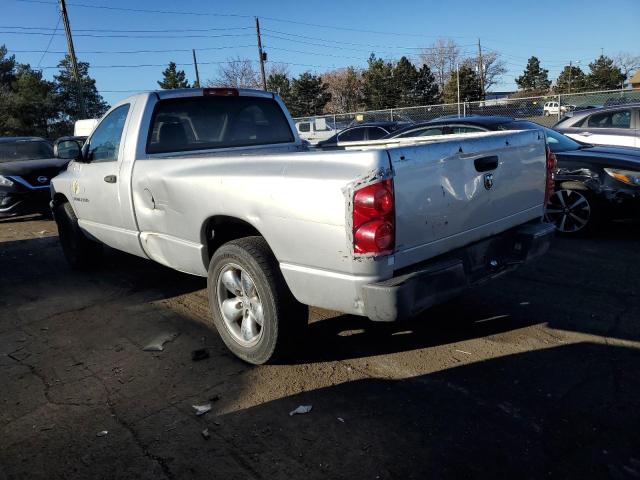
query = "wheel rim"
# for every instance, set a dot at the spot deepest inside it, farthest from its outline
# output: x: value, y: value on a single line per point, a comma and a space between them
x: 240, y: 305
x: 568, y: 210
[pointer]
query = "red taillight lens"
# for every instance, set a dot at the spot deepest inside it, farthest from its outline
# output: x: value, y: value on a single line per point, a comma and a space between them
x: 552, y: 164
x: 374, y: 218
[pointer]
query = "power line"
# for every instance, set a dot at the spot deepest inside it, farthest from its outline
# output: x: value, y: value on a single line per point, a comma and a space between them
x: 236, y: 15
x: 357, y: 44
x: 110, y: 30
x: 46, y: 50
x: 133, y: 36
x: 170, y: 50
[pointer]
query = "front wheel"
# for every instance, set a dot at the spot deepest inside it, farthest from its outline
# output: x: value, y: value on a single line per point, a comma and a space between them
x: 253, y: 310
x: 81, y: 252
x: 573, y: 212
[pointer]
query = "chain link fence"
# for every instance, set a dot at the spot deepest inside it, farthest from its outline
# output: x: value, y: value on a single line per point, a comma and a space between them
x: 545, y: 110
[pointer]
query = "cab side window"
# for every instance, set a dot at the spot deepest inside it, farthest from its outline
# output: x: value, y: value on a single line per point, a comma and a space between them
x: 104, y: 144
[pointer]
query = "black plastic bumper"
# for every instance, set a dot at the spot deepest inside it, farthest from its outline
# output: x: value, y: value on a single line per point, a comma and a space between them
x: 425, y: 285
x: 21, y: 203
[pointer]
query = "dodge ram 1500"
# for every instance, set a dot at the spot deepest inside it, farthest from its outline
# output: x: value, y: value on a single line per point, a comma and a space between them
x: 216, y: 183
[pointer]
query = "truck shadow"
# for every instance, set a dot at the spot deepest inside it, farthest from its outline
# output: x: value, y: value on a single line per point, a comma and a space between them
x: 564, y: 412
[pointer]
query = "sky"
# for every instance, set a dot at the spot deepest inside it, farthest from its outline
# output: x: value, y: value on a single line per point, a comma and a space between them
x: 128, y: 48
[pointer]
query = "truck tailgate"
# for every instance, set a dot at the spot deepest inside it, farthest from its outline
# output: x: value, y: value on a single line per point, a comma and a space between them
x: 453, y: 192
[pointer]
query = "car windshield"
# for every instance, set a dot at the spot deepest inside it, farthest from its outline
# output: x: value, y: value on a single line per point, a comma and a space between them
x: 557, y: 141
x: 24, y: 150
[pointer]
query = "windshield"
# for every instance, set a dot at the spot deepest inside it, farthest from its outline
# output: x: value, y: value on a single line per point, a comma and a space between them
x: 24, y: 150
x: 557, y: 141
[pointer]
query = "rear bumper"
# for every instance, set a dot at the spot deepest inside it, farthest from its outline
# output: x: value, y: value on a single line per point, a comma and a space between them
x: 414, y: 290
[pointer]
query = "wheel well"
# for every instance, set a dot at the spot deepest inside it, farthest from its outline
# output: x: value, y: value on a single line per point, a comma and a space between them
x: 59, y: 199
x: 222, y: 229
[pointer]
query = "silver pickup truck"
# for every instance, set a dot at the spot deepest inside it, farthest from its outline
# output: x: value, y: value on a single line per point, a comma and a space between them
x: 216, y: 183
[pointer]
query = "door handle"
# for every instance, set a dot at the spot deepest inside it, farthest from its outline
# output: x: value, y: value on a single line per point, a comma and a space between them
x: 586, y: 134
x: 110, y: 179
x: 485, y: 164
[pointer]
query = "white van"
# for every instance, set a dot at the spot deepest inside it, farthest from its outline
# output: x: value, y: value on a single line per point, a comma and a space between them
x: 551, y: 108
x: 315, y: 130
x: 83, y: 128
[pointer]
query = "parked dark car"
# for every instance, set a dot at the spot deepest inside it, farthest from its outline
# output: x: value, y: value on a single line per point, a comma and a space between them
x: 27, y: 165
x: 612, y: 125
x: 593, y: 183
x: 361, y: 132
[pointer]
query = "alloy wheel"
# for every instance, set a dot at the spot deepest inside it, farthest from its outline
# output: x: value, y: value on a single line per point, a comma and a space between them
x: 240, y: 305
x: 568, y: 210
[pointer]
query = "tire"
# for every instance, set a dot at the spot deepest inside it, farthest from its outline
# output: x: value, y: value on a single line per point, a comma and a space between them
x: 574, y: 212
x: 246, y: 287
x: 81, y: 252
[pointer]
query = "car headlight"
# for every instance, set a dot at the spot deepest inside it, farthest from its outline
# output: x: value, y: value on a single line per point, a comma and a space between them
x: 629, y: 177
x: 5, y: 182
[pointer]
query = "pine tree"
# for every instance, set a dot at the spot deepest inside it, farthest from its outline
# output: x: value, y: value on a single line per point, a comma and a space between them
x: 534, y: 78
x: 470, y: 90
x: 34, y: 104
x: 308, y: 95
x: 405, y: 77
x: 7, y: 67
x: 425, y: 91
x: 378, y: 88
x: 571, y: 79
x: 279, y: 83
x: 68, y: 95
x: 173, y: 78
x: 604, y: 75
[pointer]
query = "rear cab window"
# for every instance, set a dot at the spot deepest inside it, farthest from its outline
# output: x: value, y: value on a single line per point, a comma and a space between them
x: 203, y: 123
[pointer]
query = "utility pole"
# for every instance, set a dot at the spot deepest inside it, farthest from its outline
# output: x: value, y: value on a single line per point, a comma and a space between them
x: 263, y: 55
x: 72, y: 55
x: 570, y: 68
x: 481, y: 69
x: 458, y: 80
x: 195, y: 64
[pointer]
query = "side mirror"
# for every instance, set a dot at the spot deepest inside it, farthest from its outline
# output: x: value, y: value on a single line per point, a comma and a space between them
x: 67, y: 150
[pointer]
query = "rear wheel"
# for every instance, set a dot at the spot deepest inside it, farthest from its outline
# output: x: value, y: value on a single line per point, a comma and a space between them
x: 253, y: 310
x: 573, y: 212
x: 81, y: 252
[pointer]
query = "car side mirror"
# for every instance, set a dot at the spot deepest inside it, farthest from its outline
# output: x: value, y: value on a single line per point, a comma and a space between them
x: 68, y: 150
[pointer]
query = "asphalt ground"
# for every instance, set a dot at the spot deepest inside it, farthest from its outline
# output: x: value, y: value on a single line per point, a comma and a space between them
x: 534, y: 375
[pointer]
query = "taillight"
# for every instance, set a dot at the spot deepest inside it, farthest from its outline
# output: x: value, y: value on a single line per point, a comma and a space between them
x: 374, y: 218
x: 221, y: 92
x: 552, y: 164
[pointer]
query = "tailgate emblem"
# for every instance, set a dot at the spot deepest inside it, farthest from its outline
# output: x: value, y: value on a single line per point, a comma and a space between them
x: 488, y: 180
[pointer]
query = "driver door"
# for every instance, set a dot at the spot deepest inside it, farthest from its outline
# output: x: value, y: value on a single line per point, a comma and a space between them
x: 96, y: 186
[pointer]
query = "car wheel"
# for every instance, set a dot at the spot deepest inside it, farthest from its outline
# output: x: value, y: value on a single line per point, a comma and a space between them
x: 81, y: 252
x: 573, y: 212
x: 256, y: 315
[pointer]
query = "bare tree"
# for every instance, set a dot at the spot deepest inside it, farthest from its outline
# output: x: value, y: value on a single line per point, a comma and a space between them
x: 345, y: 87
x: 627, y: 63
x: 494, y: 68
x: 277, y: 69
x: 236, y: 73
x: 441, y: 58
